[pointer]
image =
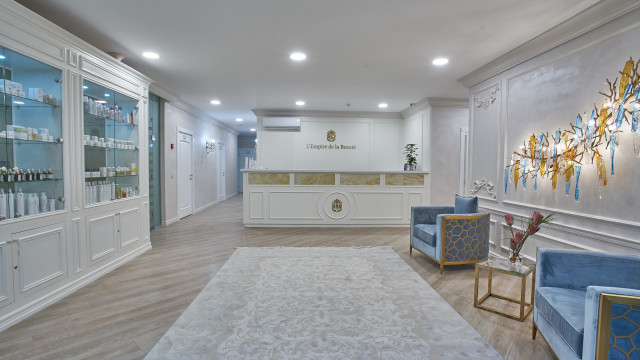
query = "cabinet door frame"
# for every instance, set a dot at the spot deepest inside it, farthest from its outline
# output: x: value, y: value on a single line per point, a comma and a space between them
x: 6, y: 273
x: 130, y: 235
x: 21, y: 240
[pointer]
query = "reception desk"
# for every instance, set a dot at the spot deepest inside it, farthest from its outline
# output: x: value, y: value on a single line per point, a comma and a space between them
x: 332, y: 198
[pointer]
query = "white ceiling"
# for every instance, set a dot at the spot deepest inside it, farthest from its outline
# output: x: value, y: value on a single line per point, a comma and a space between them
x: 360, y: 52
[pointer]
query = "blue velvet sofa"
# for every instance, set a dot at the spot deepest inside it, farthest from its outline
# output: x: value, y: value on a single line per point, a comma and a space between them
x: 451, y: 235
x: 587, y: 304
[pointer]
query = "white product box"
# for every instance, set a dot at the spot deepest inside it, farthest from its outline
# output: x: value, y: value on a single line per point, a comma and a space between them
x: 16, y: 85
x: 36, y: 94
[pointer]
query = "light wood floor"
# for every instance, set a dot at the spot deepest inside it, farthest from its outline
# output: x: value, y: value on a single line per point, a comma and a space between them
x: 123, y: 314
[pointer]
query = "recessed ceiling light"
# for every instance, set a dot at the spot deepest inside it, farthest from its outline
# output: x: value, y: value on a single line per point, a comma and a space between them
x: 300, y: 103
x: 85, y: 87
x: 382, y: 105
x: 440, y: 61
x: 215, y: 102
x: 252, y: 129
x: 150, y: 55
x: 238, y: 119
x: 298, y: 56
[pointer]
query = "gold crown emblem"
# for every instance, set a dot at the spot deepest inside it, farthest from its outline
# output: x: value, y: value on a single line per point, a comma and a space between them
x: 331, y: 136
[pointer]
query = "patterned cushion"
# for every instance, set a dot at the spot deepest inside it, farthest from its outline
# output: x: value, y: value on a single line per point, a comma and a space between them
x: 466, y: 205
x: 564, y: 309
x: 426, y: 233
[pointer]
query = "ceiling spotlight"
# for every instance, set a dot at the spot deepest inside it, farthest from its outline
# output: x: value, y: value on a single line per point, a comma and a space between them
x: 383, y: 105
x: 440, y: 61
x: 298, y: 56
x: 85, y: 87
x: 300, y: 103
x: 252, y: 129
x: 215, y: 102
x: 150, y: 55
x: 238, y: 119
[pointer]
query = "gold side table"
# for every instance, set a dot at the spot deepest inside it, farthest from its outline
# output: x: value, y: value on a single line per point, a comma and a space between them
x: 502, y: 265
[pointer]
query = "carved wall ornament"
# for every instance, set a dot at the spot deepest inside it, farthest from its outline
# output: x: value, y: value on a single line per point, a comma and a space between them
x: 331, y: 136
x: 484, y: 104
x: 483, y: 184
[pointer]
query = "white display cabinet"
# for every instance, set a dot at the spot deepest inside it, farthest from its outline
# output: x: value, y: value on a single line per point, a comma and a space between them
x: 31, y: 142
x: 111, y: 152
x: 48, y: 253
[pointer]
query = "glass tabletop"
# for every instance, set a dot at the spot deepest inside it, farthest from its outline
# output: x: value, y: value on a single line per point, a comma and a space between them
x: 503, y: 264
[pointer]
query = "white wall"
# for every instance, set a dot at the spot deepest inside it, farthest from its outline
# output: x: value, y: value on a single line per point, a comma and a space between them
x: 377, y: 145
x: 445, y: 152
x: 414, y: 129
x: 205, y: 165
x: 542, y: 95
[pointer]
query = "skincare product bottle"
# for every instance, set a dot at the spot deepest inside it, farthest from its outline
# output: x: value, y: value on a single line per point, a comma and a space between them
x: 19, y: 203
x: 44, y: 206
x: 3, y: 205
x: 11, y: 204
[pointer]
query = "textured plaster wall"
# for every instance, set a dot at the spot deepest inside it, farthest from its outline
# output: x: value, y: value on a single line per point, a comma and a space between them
x: 445, y: 152
x: 542, y: 95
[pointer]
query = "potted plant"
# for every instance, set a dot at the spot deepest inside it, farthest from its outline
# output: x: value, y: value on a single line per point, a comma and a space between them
x: 411, y: 156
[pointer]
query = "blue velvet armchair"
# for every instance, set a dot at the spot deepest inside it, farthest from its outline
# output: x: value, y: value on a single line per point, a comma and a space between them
x: 451, y: 235
x: 587, y: 304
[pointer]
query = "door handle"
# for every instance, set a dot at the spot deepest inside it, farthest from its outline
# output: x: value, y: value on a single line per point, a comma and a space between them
x: 190, y: 176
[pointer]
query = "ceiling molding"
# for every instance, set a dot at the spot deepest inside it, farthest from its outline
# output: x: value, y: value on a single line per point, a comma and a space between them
x: 590, y: 19
x: 22, y: 18
x: 434, y: 102
x: 449, y: 102
x: 330, y: 114
x: 415, y: 108
x: 174, y: 100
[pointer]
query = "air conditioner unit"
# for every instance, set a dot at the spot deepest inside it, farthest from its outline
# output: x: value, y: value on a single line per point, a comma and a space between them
x: 281, y: 123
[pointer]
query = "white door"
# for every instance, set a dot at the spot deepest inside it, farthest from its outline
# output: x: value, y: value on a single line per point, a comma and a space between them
x: 221, y: 173
x: 185, y: 174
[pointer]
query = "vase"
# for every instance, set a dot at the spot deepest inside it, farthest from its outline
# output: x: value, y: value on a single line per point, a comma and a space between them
x: 515, y: 260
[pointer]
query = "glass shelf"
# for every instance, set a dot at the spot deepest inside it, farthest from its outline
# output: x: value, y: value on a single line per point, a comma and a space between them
x: 99, y: 120
x: 15, y: 141
x: 40, y: 120
x: 14, y: 101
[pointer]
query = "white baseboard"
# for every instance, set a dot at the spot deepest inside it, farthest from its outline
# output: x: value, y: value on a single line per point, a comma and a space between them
x: 51, y: 298
x: 171, y: 221
x: 204, y: 207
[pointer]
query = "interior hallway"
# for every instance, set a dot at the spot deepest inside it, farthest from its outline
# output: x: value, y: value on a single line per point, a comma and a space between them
x: 124, y: 313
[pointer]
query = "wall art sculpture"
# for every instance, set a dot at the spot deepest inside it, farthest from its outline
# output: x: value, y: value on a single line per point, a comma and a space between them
x: 591, y: 141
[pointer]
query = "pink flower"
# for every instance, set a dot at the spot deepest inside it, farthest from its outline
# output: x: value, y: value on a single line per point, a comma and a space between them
x: 513, y: 244
x: 518, y: 237
x: 537, y: 217
x: 533, y: 229
x: 509, y: 219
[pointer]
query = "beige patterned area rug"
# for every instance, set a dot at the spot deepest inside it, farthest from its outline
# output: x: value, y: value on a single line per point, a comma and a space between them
x: 320, y: 303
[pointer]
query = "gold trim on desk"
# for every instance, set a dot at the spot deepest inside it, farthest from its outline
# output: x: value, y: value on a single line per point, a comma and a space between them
x: 359, y: 179
x: 404, y: 179
x: 263, y: 178
x: 314, y: 178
